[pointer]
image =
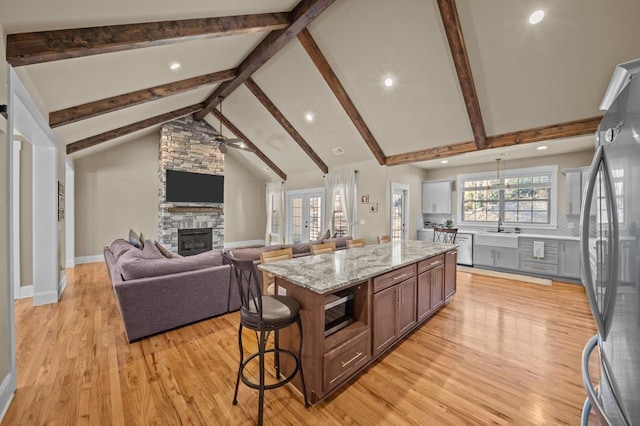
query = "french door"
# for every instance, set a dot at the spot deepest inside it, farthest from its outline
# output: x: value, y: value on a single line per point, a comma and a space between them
x: 304, y: 215
x: 399, y: 211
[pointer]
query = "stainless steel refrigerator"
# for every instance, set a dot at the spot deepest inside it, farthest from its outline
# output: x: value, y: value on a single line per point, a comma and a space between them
x: 610, y: 241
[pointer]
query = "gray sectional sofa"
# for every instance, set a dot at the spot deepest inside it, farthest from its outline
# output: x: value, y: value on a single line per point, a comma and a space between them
x: 156, y: 293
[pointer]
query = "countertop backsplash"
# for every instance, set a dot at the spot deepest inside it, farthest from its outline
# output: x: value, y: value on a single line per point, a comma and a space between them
x: 567, y: 225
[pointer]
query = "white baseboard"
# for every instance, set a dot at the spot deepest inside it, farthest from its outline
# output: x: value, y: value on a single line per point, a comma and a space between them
x: 70, y: 263
x: 25, y: 291
x: 6, y: 395
x: 45, y: 298
x: 90, y: 259
x: 61, y: 286
x: 243, y: 243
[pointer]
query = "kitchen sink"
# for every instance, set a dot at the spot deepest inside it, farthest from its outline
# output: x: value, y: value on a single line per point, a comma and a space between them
x: 500, y: 232
x: 495, y: 239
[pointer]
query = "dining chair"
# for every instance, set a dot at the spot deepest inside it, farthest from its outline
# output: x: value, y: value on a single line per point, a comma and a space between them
x: 384, y: 239
x: 268, y: 280
x: 323, y: 248
x: 355, y: 243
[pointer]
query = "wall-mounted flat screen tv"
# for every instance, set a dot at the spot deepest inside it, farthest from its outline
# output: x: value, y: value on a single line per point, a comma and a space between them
x: 187, y: 187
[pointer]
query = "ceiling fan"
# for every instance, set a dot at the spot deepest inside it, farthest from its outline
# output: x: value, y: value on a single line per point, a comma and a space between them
x: 223, y: 141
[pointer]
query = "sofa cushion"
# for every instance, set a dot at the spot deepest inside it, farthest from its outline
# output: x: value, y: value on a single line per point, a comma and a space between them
x: 165, y: 251
x: 119, y: 247
x: 301, y: 248
x: 341, y: 242
x: 135, y: 240
x: 150, y: 251
x: 134, y: 266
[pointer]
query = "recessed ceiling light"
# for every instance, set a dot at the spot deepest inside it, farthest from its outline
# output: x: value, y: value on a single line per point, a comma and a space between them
x: 266, y: 169
x: 444, y: 161
x: 388, y: 82
x: 338, y: 150
x: 309, y: 116
x: 536, y: 17
x: 174, y: 66
x: 541, y: 147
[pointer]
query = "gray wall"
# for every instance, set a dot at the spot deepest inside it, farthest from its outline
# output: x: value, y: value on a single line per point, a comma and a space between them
x: 117, y: 189
x: 26, y: 214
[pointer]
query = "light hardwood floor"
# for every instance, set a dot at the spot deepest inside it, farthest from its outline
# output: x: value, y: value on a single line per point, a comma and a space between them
x: 503, y: 352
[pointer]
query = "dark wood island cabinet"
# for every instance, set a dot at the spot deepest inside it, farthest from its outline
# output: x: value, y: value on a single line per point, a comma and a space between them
x: 356, y: 303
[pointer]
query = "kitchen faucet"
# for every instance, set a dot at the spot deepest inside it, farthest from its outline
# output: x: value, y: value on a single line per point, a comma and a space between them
x: 500, y: 228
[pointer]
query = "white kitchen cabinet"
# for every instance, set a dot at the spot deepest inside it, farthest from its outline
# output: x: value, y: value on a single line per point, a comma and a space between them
x: 569, y: 259
x: 436, y: 196
x: 575, y: 181
x: 572, y: 191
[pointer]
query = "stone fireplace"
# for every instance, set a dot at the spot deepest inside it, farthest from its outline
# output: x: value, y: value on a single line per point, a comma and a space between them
x: 188, y: 145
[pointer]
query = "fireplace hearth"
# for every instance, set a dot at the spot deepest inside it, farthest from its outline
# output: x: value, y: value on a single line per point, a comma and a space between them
x: 194, y: 241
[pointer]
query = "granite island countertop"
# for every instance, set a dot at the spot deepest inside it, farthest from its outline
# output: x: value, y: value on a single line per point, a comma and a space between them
x: 325, y: 273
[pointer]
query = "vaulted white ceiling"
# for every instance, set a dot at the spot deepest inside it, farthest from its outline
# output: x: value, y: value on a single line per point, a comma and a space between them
x: 525, y: 76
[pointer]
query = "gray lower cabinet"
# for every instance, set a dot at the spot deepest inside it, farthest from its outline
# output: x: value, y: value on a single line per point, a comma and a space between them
x: 497, y: 257
x: 546, y: 262
x: 569, y: 261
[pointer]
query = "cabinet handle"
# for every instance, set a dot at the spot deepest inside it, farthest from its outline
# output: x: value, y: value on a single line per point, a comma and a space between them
x: 451, y: 253
x: 570, y: 207
x: 358, y: 355
x: 498, y: 254
x: 397, y: 296
x: 563, y: 246
x: 399, y: 277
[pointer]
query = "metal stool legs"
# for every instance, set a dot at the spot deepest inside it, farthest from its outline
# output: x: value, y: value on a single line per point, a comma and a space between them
x: 262, y: 337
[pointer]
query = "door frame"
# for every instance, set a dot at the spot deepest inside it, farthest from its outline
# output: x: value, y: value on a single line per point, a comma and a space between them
x: 405, y: 211
x: 287, y: 207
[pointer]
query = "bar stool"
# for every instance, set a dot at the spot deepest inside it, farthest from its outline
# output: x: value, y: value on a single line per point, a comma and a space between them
x: 323, y: 248
x: 384, y: 239
x: 264, y: 314
x: 445, y: 235
x: 268, y: 280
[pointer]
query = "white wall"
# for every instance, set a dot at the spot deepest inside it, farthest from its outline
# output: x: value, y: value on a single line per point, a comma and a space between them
x: 116, y: 190
x: 375, y: 181
x: 563, y: 161
x: 7, y: 366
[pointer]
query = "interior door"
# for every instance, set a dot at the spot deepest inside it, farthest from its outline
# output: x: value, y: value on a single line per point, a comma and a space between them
x: 304, y: 215
x: 399, y: 211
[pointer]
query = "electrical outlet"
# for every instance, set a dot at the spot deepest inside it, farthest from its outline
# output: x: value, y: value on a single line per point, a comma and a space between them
x: 361, y: 221
x: 571, y: 225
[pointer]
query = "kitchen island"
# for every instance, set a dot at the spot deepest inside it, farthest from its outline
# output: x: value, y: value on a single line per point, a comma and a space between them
x: 356, y: 303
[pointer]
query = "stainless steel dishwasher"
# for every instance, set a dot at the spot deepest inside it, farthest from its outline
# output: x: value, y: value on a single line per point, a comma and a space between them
x: 465, y: 251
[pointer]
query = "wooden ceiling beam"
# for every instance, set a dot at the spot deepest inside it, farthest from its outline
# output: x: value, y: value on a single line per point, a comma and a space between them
x: 261, y: 155
x: 537, y: 134
x: 103, y: 106
x: 44, y: 46
x: 431, y: 153
x: 286, y: 125
x: 545, y: 133
x: 337, y: 88
x: 305, y: 12
x: 453, y: 29
x: 131, y: 128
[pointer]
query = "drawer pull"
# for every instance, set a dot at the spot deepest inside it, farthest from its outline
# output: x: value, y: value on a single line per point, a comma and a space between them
x: 344, y: 364
x: 437, y: 262
x: 399, y: 277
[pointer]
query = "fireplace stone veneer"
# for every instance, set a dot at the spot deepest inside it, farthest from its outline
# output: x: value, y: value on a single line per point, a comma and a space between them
x: 188, y: 145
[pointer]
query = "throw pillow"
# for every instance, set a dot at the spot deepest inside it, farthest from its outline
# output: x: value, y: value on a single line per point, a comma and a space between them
x: 326, y: 235
x: 165, y: 251
x: 150, y: 251
x: 134, y: 239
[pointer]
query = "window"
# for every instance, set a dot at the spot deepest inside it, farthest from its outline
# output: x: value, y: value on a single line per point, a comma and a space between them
x: 522, y: 197
x: 618, y: 187
x: 340, y: 225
